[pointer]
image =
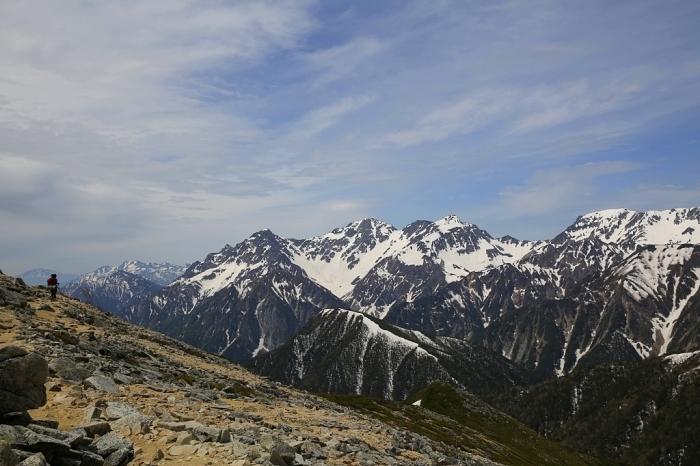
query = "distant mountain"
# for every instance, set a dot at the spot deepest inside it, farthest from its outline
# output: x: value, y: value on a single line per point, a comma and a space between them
x: 341, y: 351
x: 256, y: 295
x: 159, y: 273
x: 110, y: 290
x: 238, y: 302
x: 541, y: 304
x: 39, y: 276
x: 114, y: 288
x: 544, y: 310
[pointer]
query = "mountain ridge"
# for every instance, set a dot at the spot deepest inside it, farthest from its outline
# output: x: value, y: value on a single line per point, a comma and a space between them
x: 455, y: 268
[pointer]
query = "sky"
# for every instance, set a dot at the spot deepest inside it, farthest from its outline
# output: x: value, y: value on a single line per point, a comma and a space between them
x: 163, y: 130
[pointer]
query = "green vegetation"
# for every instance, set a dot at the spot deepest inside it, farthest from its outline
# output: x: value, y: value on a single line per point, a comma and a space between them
x: 185, y: 377
x: 241, y: 389
x: 461, y: 421
x: 217, y: 386
x: 638, y: 413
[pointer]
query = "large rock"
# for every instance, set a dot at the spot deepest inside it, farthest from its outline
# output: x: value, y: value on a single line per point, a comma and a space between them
x: 12, y: 297
x: 274, y: 444
x: 119, y: 458
x: 108, y: 444
x: 117, y: 410
x: 68, y: 369
x: 22, y: 378
x: 25, y: 439
x: 7, y: 456
x: 102, y: 383
x: 77, y: 457
x: 137, y: 422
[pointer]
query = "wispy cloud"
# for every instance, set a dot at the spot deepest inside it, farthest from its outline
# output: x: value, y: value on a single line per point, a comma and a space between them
x: 129, y: 128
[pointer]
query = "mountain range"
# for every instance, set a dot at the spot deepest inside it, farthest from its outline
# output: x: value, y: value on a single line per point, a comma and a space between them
x: 616, y: 284
x: 39, y: 276
x: 112, y: 288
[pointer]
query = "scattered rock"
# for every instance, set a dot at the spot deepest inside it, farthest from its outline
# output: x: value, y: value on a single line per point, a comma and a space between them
x: 182, y: 450
x: 94, y: 428
x: 158, y: 455
x: 119, y: 457
x: 25, y: 439
x: 101, y: 382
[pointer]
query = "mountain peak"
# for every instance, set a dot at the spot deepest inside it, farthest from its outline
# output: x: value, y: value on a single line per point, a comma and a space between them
x: 450, y: 220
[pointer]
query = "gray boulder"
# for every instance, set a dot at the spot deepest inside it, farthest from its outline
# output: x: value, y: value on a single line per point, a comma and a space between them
x: 72, y: 438
x: 102, y: 383
x: 108, y: 444
x: 7, y: 456
x: 25, y: 439
x: 22, y: 378
x: 274, y: 444
x: 119, y: 457
x: 77, y: 458
x: 12, y: 297
x: 94, y: 428
x: 137, y: 422
x: 117, y: 410
x: 68, y: 369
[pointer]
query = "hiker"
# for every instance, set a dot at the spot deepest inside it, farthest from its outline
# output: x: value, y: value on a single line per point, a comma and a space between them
x: 52, y: 283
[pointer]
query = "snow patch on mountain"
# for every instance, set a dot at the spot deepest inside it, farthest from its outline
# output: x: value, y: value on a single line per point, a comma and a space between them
x: 627, y: 227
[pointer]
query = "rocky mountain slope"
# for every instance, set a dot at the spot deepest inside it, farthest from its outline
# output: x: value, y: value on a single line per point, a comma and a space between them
x: 113, y: 387
x: 340, y: 351
x: 645, y: 305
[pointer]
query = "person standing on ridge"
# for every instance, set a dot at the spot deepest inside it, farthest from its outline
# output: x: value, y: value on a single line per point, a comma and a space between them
x: 52, y: 283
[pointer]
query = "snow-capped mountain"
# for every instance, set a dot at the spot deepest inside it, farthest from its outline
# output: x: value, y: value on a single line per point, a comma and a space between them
x: 580, y: 298
x: 39, y: 276
x: 159, y: 273
x: 447, y: 277
x: 243, y: 300
x: 114, y: 288
x: 341, y: 351
x: 110, y: 289
x: 263, y: 290
x: 371, y: 265
x: 628, y: 229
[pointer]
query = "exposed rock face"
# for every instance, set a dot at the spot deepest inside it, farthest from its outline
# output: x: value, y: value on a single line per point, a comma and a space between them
x: 342, y: 351
x: 22, y: 378
x: 111, y: 291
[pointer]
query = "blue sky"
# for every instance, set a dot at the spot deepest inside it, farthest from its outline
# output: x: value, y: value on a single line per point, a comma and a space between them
x: 162, y: 130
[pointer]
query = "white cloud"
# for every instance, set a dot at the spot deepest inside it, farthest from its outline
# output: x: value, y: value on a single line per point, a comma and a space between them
x: 567, y: 188
x: 172, y: 127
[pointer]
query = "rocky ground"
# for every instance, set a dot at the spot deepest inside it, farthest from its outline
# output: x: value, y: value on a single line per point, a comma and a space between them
x: 118, y: 394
